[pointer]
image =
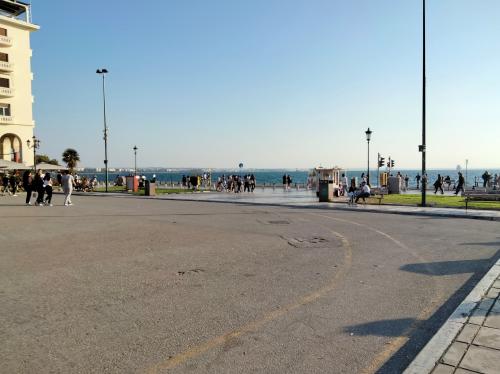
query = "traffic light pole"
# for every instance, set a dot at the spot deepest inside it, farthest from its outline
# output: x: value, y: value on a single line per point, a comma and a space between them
x: 378, y: 170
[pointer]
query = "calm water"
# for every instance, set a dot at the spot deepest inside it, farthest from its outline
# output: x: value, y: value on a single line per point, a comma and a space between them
x: 275, y: 176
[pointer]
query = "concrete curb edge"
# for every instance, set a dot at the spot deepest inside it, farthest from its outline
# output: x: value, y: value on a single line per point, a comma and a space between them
x: 429, y: 356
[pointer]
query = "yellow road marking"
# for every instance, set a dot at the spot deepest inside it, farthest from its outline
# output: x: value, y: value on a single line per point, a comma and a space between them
x: 255, y: 325
x: 397, y: 343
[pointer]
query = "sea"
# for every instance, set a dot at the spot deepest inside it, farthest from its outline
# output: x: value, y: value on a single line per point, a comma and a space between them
x: 275, y: 176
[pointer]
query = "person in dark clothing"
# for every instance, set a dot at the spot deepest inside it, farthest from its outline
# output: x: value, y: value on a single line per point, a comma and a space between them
x: 38, y: 187
x: 28, y: 185
x: 284, y: 181
x: 5, y: 184
x: 47, y: 184
x: 486, y: 178
x: 460, y: 185
x: 14, y: 182
x: 417, y: 178
x: 438, y: 184
x: 252, y: 182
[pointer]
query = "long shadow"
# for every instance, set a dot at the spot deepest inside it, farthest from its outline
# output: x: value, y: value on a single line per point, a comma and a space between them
x: 492, y: 244
x: 424, y: 330
x: 388, y: 327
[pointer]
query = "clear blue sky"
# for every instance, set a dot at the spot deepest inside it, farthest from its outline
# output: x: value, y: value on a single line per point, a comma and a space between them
x: 271, y: 83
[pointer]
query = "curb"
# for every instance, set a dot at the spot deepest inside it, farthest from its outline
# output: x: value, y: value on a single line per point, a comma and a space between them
x: 429, y: 356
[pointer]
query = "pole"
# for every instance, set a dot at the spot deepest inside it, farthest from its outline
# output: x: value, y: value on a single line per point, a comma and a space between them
x: 368, y: 165
x: 378, y: 169
x: 466, y: 167
x: 424, y: 177
x: 105, y: 133
x: 34, y: 155
x: 135, y: 161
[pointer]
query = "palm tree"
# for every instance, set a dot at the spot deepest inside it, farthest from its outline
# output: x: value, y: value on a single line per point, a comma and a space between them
x: 71, y: 158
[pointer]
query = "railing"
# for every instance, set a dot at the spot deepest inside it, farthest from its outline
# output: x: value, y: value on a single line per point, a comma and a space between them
x: 6, y: 92
x: 5, y: 41
x: 6, y: 66
x: 5, y: 119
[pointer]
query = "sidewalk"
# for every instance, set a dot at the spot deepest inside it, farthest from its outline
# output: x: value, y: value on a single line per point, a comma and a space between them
x: 307, y: 199
x: 469, y: 341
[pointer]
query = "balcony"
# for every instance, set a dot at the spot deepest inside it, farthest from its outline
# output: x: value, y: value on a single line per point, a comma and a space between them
x: 5, y: 41
x: 6, y: 66
x: 6, y: 92
x: 6, y: 119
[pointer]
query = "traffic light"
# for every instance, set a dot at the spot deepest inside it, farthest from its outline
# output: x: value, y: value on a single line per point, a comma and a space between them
x: 381, y: 161
x: 392, y: 163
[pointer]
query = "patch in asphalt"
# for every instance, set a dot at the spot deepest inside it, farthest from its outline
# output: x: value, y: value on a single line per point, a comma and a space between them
x: 190, y: 271
x: 279, y: 222
x: 310, y: 242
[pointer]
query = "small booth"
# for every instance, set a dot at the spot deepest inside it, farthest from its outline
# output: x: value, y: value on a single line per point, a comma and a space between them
x: 328, y: 182
x: 132, y: 183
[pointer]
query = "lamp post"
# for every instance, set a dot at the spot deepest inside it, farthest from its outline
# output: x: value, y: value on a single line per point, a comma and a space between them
x: 34, y: 146
x: 103, y: 73
x: 135, y: 160
x: 422, y: 146
x: 368, y: 137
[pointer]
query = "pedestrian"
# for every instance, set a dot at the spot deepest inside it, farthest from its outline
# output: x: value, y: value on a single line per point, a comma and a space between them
x: 68, y: 183
x: 252, y: 182
x: 417, y: 178
x: 407, y: 181
x: 284, y: 182
x: 14, y: 182
x: 344, y: 184
x: 438, y: 184
x: 47, y: 184
x: 28, y: 185
x: 5, y: 184
x: 486, y: 178
x: 39, y: 188
x: 460, y: 185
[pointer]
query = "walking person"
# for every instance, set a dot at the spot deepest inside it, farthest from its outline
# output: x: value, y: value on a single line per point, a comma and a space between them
x: 38, y: 187
x: 14, y: 182
x: 47, y: 184
x: 407, y: 182
x: 438, y: 184
x: 284, y: 182
x: 67, y: 183
x: 460, y: 185
x: 417, y: 178
x: 5, y: 184
x: 28, y: 185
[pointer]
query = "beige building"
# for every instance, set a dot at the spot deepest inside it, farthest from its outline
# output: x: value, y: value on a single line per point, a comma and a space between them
x: 16, y: 99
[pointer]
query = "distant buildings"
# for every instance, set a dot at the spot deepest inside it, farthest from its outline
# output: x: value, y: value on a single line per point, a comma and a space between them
x: 16, y: 99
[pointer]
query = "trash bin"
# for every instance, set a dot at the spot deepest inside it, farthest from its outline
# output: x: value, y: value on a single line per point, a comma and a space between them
x: 150, y: 189
x: 132, y: 183
x: 325, y: 191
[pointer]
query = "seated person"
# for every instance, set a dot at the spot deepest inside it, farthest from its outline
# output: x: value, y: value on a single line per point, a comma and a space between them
x: 351, y: 193
x: 365, y: 192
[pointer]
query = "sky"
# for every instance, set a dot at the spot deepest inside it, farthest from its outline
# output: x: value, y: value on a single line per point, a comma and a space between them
x: 269, y: 83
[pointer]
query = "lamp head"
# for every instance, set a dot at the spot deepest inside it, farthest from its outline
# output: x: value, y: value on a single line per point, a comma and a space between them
x: 368, y: 134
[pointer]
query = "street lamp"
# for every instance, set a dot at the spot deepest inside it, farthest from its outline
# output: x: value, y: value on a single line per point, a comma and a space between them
x: 368, y: 137
x: 103, y: 73
x: 135, y: 160
x: 35, y: 146
x: 421, y: 148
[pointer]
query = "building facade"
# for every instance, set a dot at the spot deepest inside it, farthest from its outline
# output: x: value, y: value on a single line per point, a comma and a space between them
x: 16, y: 99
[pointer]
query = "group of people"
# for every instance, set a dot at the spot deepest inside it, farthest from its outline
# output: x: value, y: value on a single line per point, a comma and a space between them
x: 38, y: 186
x: 287, y: 182
x: 440, y: 181
x: 235, y: 183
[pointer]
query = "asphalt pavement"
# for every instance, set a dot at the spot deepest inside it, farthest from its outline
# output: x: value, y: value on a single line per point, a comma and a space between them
x: 133, y: 285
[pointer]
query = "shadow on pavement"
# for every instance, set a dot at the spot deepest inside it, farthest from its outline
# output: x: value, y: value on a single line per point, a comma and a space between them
x: 389, y: 327
x: 424, y: 330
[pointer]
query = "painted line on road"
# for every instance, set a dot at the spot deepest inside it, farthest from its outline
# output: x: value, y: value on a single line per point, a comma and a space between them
x: 397, y: 343
x: 196, y: 351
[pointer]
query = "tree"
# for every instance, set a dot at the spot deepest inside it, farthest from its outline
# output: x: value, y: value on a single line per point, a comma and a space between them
x: 46, y: 159
x: 71, y: 158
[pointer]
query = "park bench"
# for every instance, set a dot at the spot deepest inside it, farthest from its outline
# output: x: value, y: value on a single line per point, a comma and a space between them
x: 481, y: 196
x: 376, y: 194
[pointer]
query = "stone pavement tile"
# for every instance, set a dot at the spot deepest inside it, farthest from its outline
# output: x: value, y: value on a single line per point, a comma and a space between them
x: 443, y: 369
x: 454, y: 354
x: 493, y: 292
x: 481, y: 359
x: 488, y: 337
x: 496, y: 284
x: 496, y: 306
x: 486, y: 303
x: 493, y: 320
x: 478, y: 316
x: 463, y: 371
x: 467, y: 334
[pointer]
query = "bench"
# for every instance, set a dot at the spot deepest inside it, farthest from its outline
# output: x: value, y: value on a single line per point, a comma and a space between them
x: 474, y: 196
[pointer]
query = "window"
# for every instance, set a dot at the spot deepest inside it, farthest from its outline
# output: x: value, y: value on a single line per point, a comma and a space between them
x: 4, y: 82
x: 5, y: 110
x: 4, y: 57
x: 3, y: 32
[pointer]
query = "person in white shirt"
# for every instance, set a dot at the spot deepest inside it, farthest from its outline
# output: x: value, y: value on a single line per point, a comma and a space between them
x: 67, y: 183
x: 365, y: 192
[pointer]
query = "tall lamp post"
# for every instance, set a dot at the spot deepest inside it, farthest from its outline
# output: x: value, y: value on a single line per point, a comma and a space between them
x: 368, y: 137
x: 421, y: 148
x: 135, y: 160
x: 103, y: 73
x: 34, y: 146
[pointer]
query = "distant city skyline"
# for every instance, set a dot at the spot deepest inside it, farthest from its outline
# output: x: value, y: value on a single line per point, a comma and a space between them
x: 271, y: 84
